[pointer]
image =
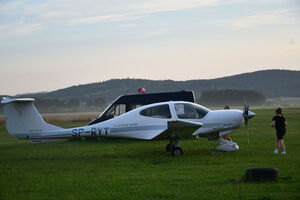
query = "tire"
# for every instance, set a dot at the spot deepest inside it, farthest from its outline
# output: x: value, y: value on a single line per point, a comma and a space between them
x: 261, y: 174
x: 177, y: 151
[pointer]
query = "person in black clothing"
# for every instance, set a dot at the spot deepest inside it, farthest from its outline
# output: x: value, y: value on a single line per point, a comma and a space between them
x: 279, y: 123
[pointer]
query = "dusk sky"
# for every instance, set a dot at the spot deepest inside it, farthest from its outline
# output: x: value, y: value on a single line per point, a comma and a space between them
x: 47, y: 45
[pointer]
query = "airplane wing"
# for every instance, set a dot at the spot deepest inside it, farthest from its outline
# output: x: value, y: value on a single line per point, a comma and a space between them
x: 181, y: 126
x: 211, y: 133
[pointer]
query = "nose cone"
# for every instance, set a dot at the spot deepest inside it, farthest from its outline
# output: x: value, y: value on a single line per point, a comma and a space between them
x: 249, y: 115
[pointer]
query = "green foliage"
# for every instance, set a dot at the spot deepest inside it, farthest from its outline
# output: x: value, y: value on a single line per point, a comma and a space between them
x: 231, y: 97
x: 95, y: 96
x: 50, y: 105
x: 55, y: 105
x: 132, y: 169
x: 271, y: 83
x: 95, y: 101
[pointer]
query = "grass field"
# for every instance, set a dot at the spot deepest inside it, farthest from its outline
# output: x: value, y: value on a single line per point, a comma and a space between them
x: 131, y: 169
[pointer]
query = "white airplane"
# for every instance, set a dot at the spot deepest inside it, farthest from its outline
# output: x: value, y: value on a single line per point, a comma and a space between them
x: 146, y: 122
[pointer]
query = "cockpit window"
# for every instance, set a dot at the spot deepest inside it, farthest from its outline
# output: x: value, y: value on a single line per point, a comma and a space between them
x: 132, y: 106
x: 190, y: 111
x: 162, y: 111
x: 120, y: 109
x: 115, y: 111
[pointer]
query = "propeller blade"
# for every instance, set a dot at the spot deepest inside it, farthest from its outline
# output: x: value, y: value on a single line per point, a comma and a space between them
x: 248, y: 139
x: 246, y: 122
x: 247, y: 115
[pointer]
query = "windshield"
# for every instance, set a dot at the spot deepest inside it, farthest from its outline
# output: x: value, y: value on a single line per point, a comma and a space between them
x: 190, y: 111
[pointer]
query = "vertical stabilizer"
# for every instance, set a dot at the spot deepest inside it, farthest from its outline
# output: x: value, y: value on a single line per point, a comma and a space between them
x: 23, y: 119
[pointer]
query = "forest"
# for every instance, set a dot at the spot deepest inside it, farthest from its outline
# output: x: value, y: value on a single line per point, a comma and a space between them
x: 251, y: 88
x: 231, y: 97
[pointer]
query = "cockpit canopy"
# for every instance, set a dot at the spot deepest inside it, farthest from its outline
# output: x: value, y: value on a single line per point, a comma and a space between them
x: 127, y: 103
x: 182, y: 110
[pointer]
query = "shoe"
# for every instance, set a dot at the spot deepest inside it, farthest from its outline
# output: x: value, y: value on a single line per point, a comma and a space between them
x: 283, y: 152
x: 275, y: 151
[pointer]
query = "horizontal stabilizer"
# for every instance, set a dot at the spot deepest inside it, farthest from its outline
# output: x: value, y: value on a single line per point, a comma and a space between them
x: 6, y: 100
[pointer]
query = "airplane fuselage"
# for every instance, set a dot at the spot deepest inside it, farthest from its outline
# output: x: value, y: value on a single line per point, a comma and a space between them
x: 146, y: 122
x: 138, y: 126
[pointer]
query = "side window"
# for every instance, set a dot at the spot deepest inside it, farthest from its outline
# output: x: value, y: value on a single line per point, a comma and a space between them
x: 115, y: 111
x: 120, y: 109
x: 162, y: 111
x: 189, y: 111
x: 132, y: 106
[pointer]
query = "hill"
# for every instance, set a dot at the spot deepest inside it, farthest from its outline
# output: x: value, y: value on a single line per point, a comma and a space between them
x: 271, y: 83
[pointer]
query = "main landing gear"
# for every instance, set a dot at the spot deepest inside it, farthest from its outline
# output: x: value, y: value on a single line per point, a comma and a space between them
x: 176, y: 151
x: 173, y: 145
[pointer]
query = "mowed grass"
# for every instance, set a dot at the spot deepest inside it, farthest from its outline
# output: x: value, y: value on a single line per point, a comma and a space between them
x: 132, y: 169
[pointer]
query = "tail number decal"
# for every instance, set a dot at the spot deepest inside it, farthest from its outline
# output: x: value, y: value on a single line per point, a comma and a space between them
x: 94, y: 132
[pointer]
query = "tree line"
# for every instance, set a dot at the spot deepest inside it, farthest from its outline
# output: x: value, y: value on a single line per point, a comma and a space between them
x: 69, y: 104
x: 231, y: 97
x: 272, y: 83
x: 96, y: 103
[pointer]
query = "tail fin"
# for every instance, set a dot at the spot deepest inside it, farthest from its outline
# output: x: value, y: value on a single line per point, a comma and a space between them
x: 23, y: 119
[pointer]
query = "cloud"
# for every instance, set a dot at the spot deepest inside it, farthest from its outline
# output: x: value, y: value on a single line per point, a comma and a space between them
x: 19, y: 17
x: 174, y: 5
x: 275, y: 17
x: 19, y: 29
x: 35, y: 15
x: 134, y: 10
x: 8, y: 6
x: 153, y: 34
x: 99, y: 19
x: 258, y: 20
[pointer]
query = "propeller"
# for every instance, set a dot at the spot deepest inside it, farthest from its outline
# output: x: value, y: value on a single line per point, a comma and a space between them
x: 247, y: 115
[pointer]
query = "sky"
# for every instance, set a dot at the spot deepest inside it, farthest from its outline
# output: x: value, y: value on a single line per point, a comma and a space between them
x: 48, y: 45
